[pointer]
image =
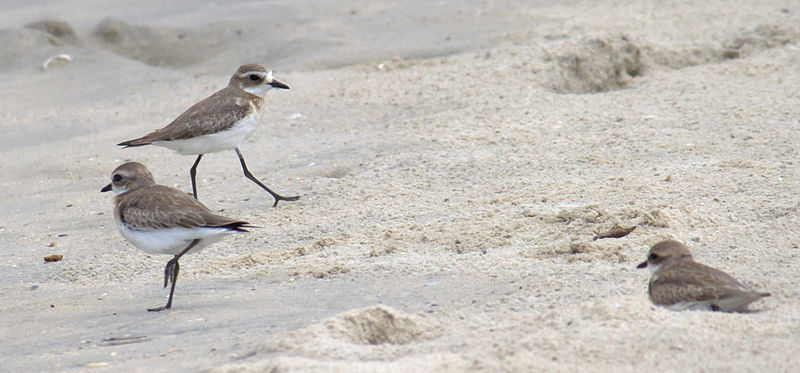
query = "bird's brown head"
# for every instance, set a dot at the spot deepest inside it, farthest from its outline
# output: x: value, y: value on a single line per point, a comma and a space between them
x: 129, y: 176
x: 665, y: 252
x: 255, y: 79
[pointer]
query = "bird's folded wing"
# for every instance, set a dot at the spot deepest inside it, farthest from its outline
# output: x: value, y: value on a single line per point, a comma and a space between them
x: 696, y: 283
x: 214, y: 114
x: 169, y: 208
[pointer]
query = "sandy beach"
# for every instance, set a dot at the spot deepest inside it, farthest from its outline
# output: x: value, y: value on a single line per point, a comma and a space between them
x: 456, y: 162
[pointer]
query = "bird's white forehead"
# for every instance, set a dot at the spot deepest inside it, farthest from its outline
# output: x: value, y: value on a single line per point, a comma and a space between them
x: 269, y: 76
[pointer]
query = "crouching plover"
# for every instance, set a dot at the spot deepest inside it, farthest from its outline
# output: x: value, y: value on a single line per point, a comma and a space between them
x: 220, y: 122
x: 679, y: 283
x: 162, y: 220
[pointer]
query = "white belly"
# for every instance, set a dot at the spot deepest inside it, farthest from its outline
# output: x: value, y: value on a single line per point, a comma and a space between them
x: 215, y: 142
x: 728, y: 304
x: 172, y: 241
x: 689, y: 305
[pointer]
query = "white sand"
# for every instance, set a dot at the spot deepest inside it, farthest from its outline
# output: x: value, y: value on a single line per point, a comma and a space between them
x: 455, y: 162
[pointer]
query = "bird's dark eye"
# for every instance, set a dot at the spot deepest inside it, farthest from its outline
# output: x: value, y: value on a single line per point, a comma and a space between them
x: 117, y: 178
x: 254, y: 77
x: 654, y: 257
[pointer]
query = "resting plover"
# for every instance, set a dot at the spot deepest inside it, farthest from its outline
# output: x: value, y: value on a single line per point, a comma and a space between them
x: 161, y: 220
x: 679, y: 283
x: 220, y: 122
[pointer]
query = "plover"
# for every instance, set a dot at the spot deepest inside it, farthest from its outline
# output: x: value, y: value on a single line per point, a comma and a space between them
x: 220, y: 122
x: 161, y: 220
x: 679, y: 283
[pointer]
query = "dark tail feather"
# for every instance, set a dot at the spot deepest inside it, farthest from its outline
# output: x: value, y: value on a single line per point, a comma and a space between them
x: 237, y: 226
x: 135, y: 142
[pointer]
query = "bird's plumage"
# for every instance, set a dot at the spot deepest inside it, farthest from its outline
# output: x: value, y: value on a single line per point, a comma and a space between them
x: 678, y: 282
x: 222, y: 121
x: 217, y: 113
x: 162, y: 220
x: 693, y: 282
x: 160, y: 207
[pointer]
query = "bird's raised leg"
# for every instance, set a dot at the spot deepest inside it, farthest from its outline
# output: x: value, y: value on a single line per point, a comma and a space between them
x: 250, y: 176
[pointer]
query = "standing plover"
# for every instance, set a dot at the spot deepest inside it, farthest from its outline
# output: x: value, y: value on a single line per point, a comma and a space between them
x: 162, y: 220
x: 679, y: 283
x: 220, y: 122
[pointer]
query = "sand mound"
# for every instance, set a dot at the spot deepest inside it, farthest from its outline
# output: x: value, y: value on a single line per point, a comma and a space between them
x: 376, y: 325
x: 158, y: 45
x: 61, y: 31
x: 604, y: 63
x: 596, y: 64
x: 371, y: 326
x: 369, y: 334
x: 585, y: 232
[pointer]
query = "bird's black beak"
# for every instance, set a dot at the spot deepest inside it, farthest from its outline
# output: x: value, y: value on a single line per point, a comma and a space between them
x: 105, y: 188
x: 642, y: 264
x: 278, y: 84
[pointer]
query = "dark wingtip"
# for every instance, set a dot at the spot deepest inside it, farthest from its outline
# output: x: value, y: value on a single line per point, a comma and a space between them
x: 238, y: 226
x: 133, y: 143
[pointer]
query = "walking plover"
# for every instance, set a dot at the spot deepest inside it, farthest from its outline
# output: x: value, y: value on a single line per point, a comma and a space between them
x: 220, y: 122
x: 161, y: 220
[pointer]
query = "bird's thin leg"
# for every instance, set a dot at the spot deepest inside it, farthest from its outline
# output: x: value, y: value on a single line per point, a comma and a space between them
x: 171, y: 274
x: 193, y: 173
x: 168, y: 272
x: 250, y: 176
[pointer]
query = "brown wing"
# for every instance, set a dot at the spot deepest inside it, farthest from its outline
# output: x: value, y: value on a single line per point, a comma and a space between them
x: 216, y: 113
x: 162, y: 207
x: 693, y: 282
